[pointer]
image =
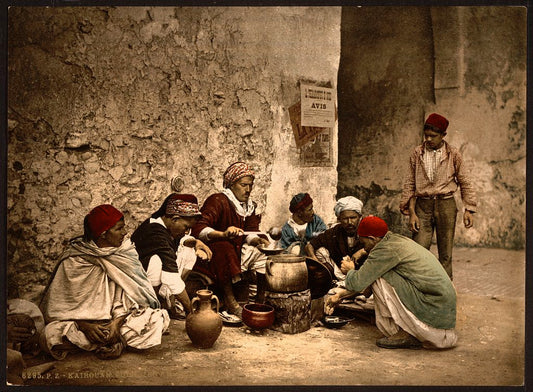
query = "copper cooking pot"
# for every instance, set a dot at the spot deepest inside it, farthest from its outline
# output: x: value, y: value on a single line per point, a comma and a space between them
x: 286, y: 273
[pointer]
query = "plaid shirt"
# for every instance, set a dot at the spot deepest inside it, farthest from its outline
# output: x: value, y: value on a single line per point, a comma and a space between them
x: 450, y: 174
x: 432, y: 159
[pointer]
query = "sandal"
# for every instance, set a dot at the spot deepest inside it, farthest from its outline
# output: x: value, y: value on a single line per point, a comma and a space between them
x: 235, y: 310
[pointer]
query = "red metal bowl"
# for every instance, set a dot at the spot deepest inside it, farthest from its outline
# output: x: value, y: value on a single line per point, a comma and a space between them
x: 258, y: 316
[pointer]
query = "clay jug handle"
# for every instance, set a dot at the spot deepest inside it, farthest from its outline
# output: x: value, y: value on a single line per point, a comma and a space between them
x: 194, y: 300
x: 268, y: 264
x: 214, y: 297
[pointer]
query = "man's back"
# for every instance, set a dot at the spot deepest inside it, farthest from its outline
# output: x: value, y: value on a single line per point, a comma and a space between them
x: 416, y: 275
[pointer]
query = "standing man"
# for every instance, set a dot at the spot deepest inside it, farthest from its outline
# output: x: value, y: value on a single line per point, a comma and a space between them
x: 340, y: 243
x: 415, y: 301
x: 226, y: 216
x: 436, y: 170
x: 167, y: 251
x: 303, y: 224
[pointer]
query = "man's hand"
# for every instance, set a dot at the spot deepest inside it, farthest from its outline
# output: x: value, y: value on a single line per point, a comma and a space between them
x: 358, y: 255
x: 20, y: 327
x: 347, y: 264
x: 332, y: 302
x: 114, y: 330
x: 232, y: 232
x: 96, y: 333
x: 257, y: 241
x: 18, y: 334
x: 274, y: 233
x: 414, y: 223
x: 468, y: 219
x: 335, y: 299
x: 203, y: 251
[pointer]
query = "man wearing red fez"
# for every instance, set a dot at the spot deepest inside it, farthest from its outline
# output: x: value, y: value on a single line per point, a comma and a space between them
x: 303, y: 224
x: 436, y: 170
x: 226, y: 217
x: 168, y: 252
x: 415, y: 301
x: 99, y: 294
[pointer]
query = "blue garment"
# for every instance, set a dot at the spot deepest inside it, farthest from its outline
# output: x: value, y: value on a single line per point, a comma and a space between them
x: 288, y: 236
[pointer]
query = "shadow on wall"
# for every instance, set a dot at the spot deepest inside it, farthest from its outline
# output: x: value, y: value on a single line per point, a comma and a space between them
x: 397, y: 65
x: 382, y: 202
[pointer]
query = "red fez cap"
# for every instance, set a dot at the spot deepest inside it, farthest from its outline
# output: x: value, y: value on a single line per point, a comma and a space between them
x: 300, y: 201
x: 103, y: 218
x: 372, y: 226
x: 437, y: 121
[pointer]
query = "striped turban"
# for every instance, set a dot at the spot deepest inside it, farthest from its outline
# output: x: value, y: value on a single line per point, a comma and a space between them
x: 235, y: 172
x: 182, y: 205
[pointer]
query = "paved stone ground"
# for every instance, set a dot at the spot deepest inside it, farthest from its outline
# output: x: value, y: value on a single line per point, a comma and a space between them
x: 490, y: 351
x: 492, y: 272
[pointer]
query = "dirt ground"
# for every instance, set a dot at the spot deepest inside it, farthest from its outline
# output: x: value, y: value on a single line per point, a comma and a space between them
x: 490, y: 351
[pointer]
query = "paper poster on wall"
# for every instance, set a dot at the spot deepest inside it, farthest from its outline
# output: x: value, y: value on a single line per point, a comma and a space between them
x: 319, y: 151
x: 302, y: 134
x: 317, y: 105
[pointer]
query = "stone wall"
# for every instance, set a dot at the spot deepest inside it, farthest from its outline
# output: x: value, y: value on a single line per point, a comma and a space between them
x: 398, y: 64
x: 107, y: 105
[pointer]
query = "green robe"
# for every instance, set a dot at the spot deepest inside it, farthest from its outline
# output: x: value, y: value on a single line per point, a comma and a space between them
x: 417, y: 276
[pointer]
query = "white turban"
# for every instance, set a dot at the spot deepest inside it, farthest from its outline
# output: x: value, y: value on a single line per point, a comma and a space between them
x: 349, y: 203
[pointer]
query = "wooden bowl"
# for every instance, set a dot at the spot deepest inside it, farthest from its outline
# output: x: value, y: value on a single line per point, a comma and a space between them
x: 258, y: 316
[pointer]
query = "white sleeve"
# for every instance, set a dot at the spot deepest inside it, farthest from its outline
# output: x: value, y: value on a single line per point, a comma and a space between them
x: 185, y: 258
x: 157, y: 276
x: 173, y: 280
x: 204, y: 234
x: 154, y: 270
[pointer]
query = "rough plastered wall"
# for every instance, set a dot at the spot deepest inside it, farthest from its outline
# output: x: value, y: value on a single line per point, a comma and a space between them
x: 399, y: 64
x: 107, y: 105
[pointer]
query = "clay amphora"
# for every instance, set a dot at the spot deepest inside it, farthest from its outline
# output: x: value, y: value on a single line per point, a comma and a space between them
x: 286, y: 273
x: 203, y: 324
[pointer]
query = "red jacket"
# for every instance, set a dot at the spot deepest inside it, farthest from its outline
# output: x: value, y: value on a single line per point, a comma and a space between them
x: 219, y: 213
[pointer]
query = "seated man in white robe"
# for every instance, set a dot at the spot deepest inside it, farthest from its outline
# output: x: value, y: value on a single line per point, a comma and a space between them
x: 99, y: 297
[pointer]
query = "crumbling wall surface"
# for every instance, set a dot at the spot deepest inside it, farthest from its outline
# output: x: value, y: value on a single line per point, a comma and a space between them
x: 107, y: 105
x: 490, y: 122
x: 384, y: 77
x: 467, y: 63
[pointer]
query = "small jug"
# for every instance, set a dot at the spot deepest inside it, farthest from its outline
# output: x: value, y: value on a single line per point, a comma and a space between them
x: 203, y: 324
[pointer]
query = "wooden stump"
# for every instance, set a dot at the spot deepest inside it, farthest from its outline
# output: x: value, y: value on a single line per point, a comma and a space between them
x: 317, y: 309
x: 292, y: 311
